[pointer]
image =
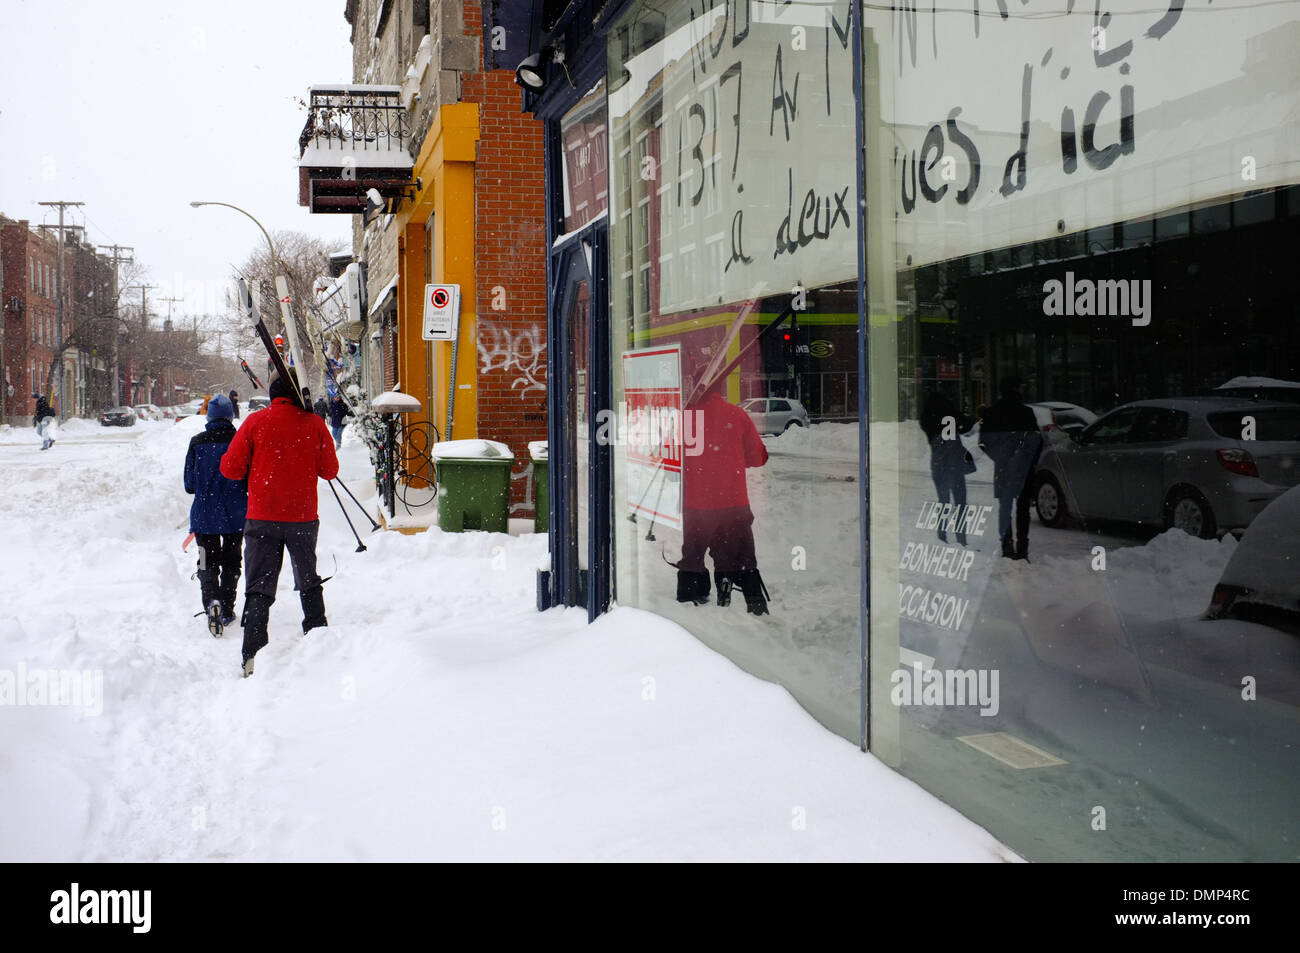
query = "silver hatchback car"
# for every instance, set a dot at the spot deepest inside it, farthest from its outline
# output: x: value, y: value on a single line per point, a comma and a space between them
x: 1202, y: 464
x: 775, y: 414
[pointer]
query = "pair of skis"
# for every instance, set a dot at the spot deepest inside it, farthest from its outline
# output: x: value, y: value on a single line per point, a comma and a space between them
x: 246, y: 302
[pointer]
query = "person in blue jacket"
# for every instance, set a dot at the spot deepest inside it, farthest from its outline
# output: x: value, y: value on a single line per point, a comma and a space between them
x: 217, y: 515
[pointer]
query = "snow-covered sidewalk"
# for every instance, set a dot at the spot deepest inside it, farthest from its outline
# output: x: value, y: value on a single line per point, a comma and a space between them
x: 439, y: 717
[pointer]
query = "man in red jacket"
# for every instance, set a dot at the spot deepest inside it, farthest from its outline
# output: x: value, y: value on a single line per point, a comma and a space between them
x: 716, y: 516
x: 281, y: 452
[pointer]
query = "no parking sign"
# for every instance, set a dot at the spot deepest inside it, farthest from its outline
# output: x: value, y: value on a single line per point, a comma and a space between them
x: 441, y: 312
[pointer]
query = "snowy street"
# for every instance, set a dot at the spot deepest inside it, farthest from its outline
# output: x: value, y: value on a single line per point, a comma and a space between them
x: 439, y: 717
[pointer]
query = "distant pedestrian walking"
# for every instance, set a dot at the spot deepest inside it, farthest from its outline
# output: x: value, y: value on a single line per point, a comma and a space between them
x: 43, y: 420
x: 234, y: 403
x: 339, y: 412
x: 281, y: 451
x: 943, y: 424
x: 216, y: 515
x: 1010, y: 435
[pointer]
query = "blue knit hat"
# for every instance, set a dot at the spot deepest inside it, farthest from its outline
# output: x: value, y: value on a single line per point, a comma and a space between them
x: 219, y: 408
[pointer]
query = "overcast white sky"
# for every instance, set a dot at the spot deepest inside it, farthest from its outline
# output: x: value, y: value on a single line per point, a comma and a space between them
x: 139, y: 106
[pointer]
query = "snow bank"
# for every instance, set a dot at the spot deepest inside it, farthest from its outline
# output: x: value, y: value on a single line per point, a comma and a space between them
x: 438, y: 717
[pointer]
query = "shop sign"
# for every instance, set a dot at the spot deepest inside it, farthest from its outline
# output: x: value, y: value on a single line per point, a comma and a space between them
x: 1011, y: 128
x: 652, y: 433
x: 750, y: 166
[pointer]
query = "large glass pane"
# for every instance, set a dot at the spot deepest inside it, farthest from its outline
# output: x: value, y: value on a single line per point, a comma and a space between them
x: 733, y: 261
x: 1084, y: 612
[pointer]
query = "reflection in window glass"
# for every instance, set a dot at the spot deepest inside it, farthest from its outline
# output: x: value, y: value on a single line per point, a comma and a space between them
x: 743, y: 525
x: 1083, y: 625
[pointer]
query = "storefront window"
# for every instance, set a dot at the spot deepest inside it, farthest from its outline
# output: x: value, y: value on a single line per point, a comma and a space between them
x: 1084, y: 457
x: 734, y: 337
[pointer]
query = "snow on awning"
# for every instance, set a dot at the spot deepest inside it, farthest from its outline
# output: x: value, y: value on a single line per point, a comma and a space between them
x: 387, y: 292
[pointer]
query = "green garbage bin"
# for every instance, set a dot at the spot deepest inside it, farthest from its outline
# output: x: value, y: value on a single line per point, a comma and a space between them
x: 541, y: 486
x: 473, y: 485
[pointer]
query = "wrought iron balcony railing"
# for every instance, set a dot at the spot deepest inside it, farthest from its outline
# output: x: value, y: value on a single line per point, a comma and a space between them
x: 364, y: 127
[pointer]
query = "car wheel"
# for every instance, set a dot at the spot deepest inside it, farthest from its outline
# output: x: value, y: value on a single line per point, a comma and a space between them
x: 1050, y: 502
x: 792, y: 423
x: 1189, y: 511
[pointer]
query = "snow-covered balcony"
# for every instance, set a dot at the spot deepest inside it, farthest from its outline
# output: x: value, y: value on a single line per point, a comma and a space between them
x: 355, y: 139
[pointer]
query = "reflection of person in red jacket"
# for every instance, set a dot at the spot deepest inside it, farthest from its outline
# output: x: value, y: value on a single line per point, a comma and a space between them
x: 281, y: 451
x: 716, y: 516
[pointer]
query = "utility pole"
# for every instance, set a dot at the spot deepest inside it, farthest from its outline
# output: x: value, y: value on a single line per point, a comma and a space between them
x: 144, y: 329
x: 118, y: 258
x: 169, y: 379
x: 58, y: 290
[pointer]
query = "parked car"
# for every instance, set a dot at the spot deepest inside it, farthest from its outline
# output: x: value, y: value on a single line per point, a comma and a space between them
x: 1263, y: 574
x: 258, y: 403
x: 1059, y: 420
x: 148, y: 412
x: 775, y: 414
x: 118, y: 417
x: 1202, y: 464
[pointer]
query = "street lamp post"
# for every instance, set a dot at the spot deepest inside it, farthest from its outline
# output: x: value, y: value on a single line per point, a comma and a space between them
x: 282, y: 286
x: 281, y: 283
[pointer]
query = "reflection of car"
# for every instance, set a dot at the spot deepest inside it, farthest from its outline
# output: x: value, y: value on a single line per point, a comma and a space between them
x: 1202, y: 464
x: 775, y: 414
x: 1059, y: 420
x: 258, y: 403
x: 118, y: 417
x: 1260, y: 388
x: 1263, y: 573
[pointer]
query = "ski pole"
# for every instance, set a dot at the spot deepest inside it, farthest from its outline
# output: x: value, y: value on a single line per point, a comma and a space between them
x: 361, y: 547
x: 364, y: 512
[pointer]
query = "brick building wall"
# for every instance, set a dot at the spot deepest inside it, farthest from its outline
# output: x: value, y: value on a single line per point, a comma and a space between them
x: 510, y: 261
x: 29, y: 308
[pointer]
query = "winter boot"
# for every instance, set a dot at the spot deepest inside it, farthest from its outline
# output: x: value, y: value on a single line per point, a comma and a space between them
x: 257, y: 614
x: 313, y: 609
x: 246, y: 667
x: 692, y: 587
x: 724, y: 584
x: 215, y: 623
x: 751, y: 584
x: 228, y: 597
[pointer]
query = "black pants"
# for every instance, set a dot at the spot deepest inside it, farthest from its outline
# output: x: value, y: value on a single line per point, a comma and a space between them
x: 1019, y: 546
x: 950, y: 485
x: 219, y: 563
x: 728, y: 536
x: 264, y: 544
